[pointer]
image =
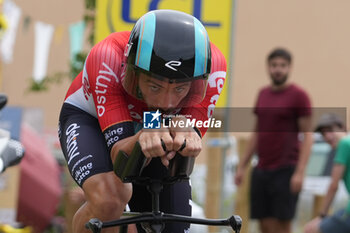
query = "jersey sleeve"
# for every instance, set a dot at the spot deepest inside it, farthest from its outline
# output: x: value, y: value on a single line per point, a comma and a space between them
x: 101, y: 71
x: 216, y: 80
x: 257, y: 102
x: 342, y: 155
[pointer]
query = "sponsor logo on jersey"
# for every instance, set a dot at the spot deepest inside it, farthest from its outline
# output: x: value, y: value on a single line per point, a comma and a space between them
x: 80, y: 161
x: 133, y: 112
x: 82, y: 172
x: 72, y: 144
x: 215, y: 80
x: 103, y: 79
x: 86, y: 87
x: 112, y: 136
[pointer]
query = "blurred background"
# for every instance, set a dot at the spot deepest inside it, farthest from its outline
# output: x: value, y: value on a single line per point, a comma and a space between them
x: 43, y: 46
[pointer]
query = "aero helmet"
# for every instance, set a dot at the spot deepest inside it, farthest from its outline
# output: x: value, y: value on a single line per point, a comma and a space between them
x: 171, y: 46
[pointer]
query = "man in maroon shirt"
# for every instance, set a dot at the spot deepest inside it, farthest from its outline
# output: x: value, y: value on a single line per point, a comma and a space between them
x: 283, y: 113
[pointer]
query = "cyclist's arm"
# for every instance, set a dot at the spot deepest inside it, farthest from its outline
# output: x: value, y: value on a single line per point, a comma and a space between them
x: 102, y: 77
x: 151, y: 145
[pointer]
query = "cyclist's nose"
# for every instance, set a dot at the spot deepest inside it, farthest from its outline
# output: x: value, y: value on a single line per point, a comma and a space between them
x: 168, y: 101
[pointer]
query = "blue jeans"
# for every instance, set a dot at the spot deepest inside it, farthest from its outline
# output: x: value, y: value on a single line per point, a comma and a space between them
x: 339, y: 222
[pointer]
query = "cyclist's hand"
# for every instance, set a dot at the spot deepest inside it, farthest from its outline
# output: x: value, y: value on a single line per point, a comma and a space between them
x: 186, y: 140
x: 152, y: 146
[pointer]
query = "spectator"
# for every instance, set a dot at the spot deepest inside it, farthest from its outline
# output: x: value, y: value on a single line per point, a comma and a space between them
x: 283, y: 111
x: 333, y: 131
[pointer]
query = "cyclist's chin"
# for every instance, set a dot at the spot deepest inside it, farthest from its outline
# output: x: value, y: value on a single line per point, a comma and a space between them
x: 161, y: 109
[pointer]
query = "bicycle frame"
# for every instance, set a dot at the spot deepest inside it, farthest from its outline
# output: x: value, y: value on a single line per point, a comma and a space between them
x: 128, y: 168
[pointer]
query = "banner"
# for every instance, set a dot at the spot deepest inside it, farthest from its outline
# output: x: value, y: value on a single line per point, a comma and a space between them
x: 12, y: 14
x: 11, y: 120
x: 216, y: 16
x: 43, y: 37
x: 76, y: 36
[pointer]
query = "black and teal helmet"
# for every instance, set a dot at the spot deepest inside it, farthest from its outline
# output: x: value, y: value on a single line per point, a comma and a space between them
x: 170, y: 46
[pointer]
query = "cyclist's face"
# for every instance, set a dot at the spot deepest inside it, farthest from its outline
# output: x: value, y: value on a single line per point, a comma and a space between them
x: 160, y: 94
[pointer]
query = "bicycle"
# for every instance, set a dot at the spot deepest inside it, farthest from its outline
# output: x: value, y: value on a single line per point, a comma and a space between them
x: 128, y: 169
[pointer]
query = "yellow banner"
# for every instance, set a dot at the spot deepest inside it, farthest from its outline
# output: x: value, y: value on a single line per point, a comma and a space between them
x: 216, y: 16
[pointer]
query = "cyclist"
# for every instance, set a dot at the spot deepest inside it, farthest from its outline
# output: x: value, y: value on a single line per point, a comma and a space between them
x: 165, y: 64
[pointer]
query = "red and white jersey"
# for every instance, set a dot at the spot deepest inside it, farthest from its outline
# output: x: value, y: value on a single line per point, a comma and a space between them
x: 98, y: 90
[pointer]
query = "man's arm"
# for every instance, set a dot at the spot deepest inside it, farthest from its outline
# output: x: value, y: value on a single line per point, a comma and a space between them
x: 249, y: 152
x: 304, y: 154
x: 337, y: 174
